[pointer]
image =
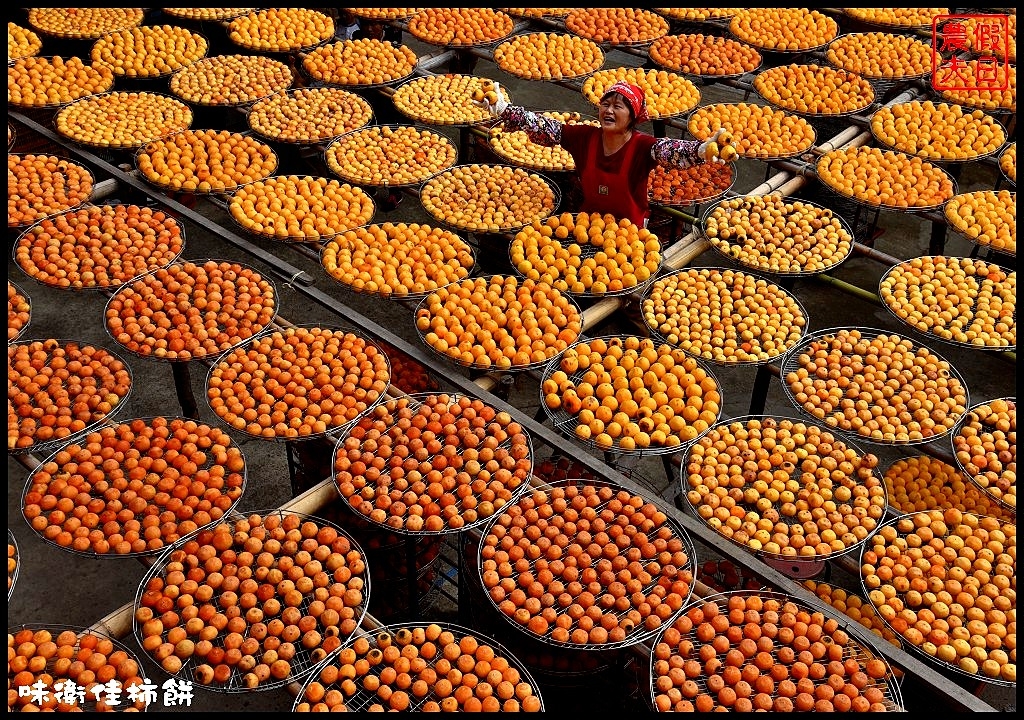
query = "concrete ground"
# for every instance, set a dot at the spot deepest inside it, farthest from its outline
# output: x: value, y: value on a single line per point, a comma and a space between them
x: 59, y: 587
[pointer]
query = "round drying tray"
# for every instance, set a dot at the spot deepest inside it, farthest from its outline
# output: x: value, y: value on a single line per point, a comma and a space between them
x: 260, y: 77
x: 673, y: 176
x: 577, y: 397
x: 151, y: 115
x: 207, y: 14
x: 444, y: 100
x: 863, y: 202
x: 328, y: 80
x: 191, y: 491
x: 315, y: 115
x: 577, y: 567
x: 258, y: 21
x: 75, y: 645
x: 553, y: 45
x: 801, y: 480
x: 754, y: 154
x: 387, y: 150
x: 473, y: 462
x: 705, y: 77
x: 923, y: 153
x: 186, y: 311
x: 269, y: 544
x: 19, y: 312
x: 516, y: 148
x: 250, y: 377
x: 848, y: 403
x: 498, y: 25
x: 39, y: 433
x: 678, y: 646
x: 17, y: 69
x: 31, y: 203
x: 141, y: 42
x: 900, y: 604
x: 530, y: 356
x: 345, y: 680
x: 731, y: 333
x: 1011, y: 148
x: 982, y: 240
x: 13, y: 563
x: 992, y: 428
x: 816, y: 116
x: 42, y: 250
x: 746, y: 250
x: 84, y: 23
x: 990, y: 298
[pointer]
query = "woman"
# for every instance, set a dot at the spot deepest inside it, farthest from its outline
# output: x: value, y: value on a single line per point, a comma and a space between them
x: 613, y: 161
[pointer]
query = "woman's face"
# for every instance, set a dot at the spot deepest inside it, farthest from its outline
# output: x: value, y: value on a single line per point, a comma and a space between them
x: 614, y: 113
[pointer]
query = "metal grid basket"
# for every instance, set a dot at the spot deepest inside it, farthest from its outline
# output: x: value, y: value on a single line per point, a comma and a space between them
x: 231, y: 357
x: 162, y: 76
x: 793, y: 472
x: 731, y: 331
x: 976, y: 241
x: 304, y: 660
x: 85, y: 170
x: 791, y: 362
x: 635, y: 632
x: 939, y: 161
x: 66, y: 109
x: 1002, y: 171
x: 881, y: 206
x: 455, y: 83
x: 56, y: 105
x: 561, y: 76
x: 449, y: 41
x: 283, y: 68
x: 370, y: 130
x: 712, y: 197
x: 152, y: 506
x: 708, y: 77
x: 753, y: 155
x: 381, y: 418
x: 311, y: 78
x: 1007, y: 471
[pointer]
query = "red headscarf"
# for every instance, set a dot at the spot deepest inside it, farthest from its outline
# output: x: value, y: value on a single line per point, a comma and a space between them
x: 634, y: 96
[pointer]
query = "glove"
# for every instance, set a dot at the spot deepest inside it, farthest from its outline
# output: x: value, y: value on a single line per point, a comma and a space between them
x: 709, y: 149
x: 490, y: 99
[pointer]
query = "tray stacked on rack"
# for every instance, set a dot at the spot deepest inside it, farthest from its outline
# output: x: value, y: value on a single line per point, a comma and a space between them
x: 13, y: 563
x: 361, y: 64
x: 925, y: 483
x: 39, y: 186
x: 21, y: 42
x: 281, y: 30
x: 708, y: 57
x: 694, y: 186
x: 122, y: 120
x: 814, y: 91
x: 1008, y: 164
x: 896, y: 19
x: 938, y: 131
x: 617, y: 27
x: 205, y: 162
x: 444, y: 100
x: 309, y: 115
x: 985, y: 447
x: 390, y: 156
x: 516, y: 147
x: 47, y: 82
x: 83, y: 23
x: 460, y: 27
x: 785, y: 31
x: 985, y: 218
x: 884, y: 59
x: 230, y: 80
x: 549, y: 56
x: 432, y: 464
x: 885, y: 179
x: 759, y: 132
x: 149, y: 52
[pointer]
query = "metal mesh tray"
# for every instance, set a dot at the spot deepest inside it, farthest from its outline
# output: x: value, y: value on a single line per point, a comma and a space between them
x: 694, y: 201
x: 1006, y: 471
x: 312, y: 78
x: 940, y: 161
x: 635, y: 632
x: 563, y: 77
x: 305, y: 659
x: 381, y: 418
x: 450, y: 42
x: 436, y: 137
x: 283, y: 68
x: 56, y: 105
x: 754, y: 155
x: 976, y: 241
x: 124, y: 146
x: 10, y: 189
x: 881, y: 206
x: 421, y: 114
x: 791, y: 362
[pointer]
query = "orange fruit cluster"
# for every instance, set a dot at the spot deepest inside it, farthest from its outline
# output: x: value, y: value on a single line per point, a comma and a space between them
x: 632, y: 393
x: 536, y: 12
x: 19, y: 312
x: 937, y: 131
x: 724, y: 315
x: 206, y: 14
x: 704, y: 55
x: 617, y: 26
x: 897, y: 17
x: 498, y: 321
x: 420, y: 668
x: 488, y: 198
x: 460, y: 26
x: 56, y: 389
x: 365, y: 61
x: 397, y: 259
x: 444, y: 99
x: 548, y: 56
x: 432, y: 464
x: 99, y: 246
x: 122, y: 119
x: 390, y: 155
x: 190, y: 310
x: 777, y: 235
x: 926, y: 483
x: 253, y: 600
x: 149, y: 51
x: 880, y: 55
x: 517, y: 148
x: 986, y: 447
x: 986, y: 217
x: 309, y: 115
x: 298, y: 382
x: 300, y: 207
x: 783, y: 29
x: 839, y: 376
x: 376, y: 13
x: 968, y: 76
x: 944, y: 581
x: 49, y: 81
x: 135, y: 487
x: 689, y: 186
x: 814, y: 89
x: 56, y: 655
x: 763, y: 652
x: 759, y: 131
x: 231, y: 79
x: 281, y: 29
x: 784, y: 488
x: 667, y: 93
x: 586, y: 253
x: 83, y: 23
x: 206, y: 161
x: 856, y: 608
x: 1008, y: 162
x: 12, y: 562
x: 21, y: 42
x: 961, y: 300
x: 584, y: 565
x: 42, y: 185
x: 885, y: 177
x: 697, y: 14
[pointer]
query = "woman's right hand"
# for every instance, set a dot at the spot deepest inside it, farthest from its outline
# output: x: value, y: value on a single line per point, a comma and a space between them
x: 711, y: 151
x: 490, y: 99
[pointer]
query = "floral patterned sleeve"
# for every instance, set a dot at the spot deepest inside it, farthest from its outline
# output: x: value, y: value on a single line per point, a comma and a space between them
x: 671, y: 152
x: 541, y: 130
